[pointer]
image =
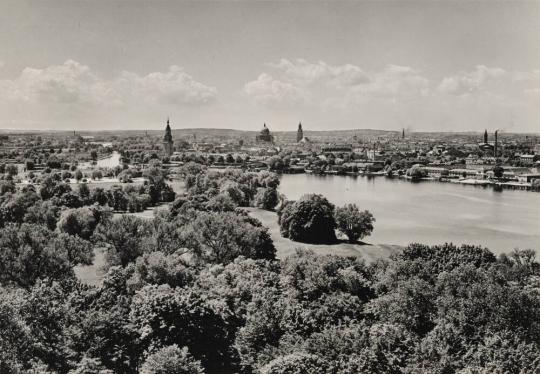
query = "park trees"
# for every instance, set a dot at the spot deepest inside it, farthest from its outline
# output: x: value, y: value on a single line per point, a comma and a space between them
x: 498, y: 171
x: 352, y: 222
x: 171, y: 360
x: 266, y: 198
x: 28, y: 252
x: 124, y: 237
x: 221, y: 237
x: 310, y: 220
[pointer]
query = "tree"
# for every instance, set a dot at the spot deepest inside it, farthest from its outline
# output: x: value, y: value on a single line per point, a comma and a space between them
x: 78, y: 175
x: 498, y: 171
x: 165, y: 316
x: 12, y: 170
x: 97, y: 174
x: 417, y: 172
x: 354, y: 223
x: 222, y: 237
x: 27, y: 253
x: 309, y: 220
x: 81, y: 222
x: 125, y: 238
x: 296, y: 363
x: 266, y: 198
x: 29, y: 165
x: 171, y: 360
x: 93, y: 155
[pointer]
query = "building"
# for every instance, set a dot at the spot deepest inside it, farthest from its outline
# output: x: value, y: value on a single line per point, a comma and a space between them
x: 264, y: 136
x: 168, y: 141
x: 299, y: 133
x: 337, y: 149
x: 528, y: 178
x: 436, y: 172
x: 527, y: 159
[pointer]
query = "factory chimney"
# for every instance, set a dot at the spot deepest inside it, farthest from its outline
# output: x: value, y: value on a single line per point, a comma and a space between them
x: 496, y: 144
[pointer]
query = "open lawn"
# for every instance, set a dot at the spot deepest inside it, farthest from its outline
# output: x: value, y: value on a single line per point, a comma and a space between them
x: 285, y: 247
x: 93, y: 274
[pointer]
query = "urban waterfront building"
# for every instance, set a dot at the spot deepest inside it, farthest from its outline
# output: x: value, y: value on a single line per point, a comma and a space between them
x: 168, y: 141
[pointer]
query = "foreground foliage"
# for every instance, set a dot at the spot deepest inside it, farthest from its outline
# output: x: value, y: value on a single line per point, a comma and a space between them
x: 198, y: 290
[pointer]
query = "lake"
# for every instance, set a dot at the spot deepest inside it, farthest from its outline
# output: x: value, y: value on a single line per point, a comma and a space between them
x: 431, y: 212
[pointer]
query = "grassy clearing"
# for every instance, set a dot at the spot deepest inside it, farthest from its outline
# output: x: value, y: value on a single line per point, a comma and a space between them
x: 285, y: 247
x: 92, y: 275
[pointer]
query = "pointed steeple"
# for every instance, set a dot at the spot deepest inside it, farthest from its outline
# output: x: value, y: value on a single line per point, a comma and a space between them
x: 485, y: 136
x: 168, y: 135
x: 299, y: 133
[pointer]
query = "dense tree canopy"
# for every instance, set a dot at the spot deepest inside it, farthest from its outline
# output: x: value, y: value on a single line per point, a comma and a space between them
x: 198, y: 289
x: 309, y: 220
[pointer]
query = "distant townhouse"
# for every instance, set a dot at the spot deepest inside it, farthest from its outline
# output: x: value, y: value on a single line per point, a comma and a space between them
x: 527, y: 159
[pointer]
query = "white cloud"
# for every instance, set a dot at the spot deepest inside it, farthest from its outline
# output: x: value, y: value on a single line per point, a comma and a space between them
x: 75, y: 84
x: 172, y: 87
x: 306, y: 72
x: 395, y: 81
x: 334, y: 85
x: 266, y: 90
x: 469, y: 82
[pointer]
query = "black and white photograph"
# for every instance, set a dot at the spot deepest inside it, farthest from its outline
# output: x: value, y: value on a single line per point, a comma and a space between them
x: 269, y: 187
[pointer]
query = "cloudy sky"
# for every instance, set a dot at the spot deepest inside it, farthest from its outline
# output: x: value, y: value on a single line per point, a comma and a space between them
x: 448, y: 66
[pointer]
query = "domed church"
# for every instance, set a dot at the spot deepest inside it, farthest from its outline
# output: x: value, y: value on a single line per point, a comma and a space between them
x: 264, y: 136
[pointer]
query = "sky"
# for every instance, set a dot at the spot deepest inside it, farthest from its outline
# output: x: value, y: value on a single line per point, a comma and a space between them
x: 422, y: 66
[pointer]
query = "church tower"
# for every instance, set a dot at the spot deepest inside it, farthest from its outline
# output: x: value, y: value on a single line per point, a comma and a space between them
x: 299, y: 133
x: 168, y: 141
x: 485, y: 137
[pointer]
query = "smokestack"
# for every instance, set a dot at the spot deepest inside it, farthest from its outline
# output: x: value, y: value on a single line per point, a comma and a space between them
x: 495, y: 150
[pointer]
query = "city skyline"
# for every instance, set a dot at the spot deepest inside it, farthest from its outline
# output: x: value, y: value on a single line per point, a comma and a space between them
x: 423, y: 66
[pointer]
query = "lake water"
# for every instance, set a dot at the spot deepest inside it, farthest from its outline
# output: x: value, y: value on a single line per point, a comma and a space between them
x: 432, y: 212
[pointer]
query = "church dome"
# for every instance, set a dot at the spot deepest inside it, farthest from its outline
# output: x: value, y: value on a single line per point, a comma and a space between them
x: 265, y: 130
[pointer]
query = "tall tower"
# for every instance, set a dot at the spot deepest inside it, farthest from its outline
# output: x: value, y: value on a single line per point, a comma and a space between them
x: 402, y: 133
x: 485, y: 137
x: 168, y: 141
x: 496, y: 144
x: 299, y: 133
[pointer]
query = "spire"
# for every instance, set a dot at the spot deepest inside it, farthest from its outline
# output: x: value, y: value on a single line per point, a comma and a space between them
x: 168, y: 135
x: 485, y: 136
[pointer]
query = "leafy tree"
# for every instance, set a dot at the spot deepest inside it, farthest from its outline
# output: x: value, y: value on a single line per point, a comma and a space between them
x: 27, y: 253
x: 309, y: 220
x: 90, y: 366
x: 498, y: 171
x: 417, y: 172
x: 12, y: 170
x: 29, y: 165
x: 296, y: 363
x: 221, y: 237
x: 171, y: 360
x: 161, y: 268
x: 266, y: 198
x: 43, y: 213
x: 354, y: 223
x: 80, y: 222
x: 165, y: 316
x: 97, y: 174
x: 125, y: 238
